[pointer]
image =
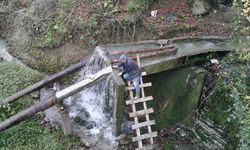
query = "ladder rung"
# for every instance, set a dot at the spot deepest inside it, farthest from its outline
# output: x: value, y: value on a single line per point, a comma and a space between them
x: 143, y: 73
x: 141, y: 112
x: 143, y: 124
x: 141, y: 86
x: 149, y: 147
x: 144, y: 136
x: 143, y: 99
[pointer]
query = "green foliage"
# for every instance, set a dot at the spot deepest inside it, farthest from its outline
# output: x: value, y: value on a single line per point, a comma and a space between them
x: 15, y: 77
x: 242, y: 26
x: 134, y: 6
x: 56, y: 34
x: 134, y: 12
x: 29, y: 134
x: 12, y: 79
x: 235, y: 89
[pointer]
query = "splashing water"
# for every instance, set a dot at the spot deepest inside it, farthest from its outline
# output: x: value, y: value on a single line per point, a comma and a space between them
x: 91, y: 110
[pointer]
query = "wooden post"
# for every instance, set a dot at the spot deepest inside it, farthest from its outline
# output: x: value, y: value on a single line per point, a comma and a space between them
x: 66, y: 124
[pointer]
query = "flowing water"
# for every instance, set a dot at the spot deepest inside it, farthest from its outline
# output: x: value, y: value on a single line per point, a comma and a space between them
x: 4, y: 55
x: 91, y: 110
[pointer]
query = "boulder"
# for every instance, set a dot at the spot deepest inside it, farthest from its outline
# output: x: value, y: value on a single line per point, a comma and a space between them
x: 227, y: 14
x: 201, y: 7
x: 82, y: 117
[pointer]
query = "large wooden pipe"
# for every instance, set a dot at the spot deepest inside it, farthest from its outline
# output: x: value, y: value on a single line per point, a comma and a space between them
x: 45, y: 81
x: 43, y: 105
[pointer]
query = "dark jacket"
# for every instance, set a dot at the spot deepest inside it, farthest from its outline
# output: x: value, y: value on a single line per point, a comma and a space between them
x: 131, y: 68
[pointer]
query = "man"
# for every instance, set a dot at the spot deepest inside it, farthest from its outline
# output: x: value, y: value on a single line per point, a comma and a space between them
x: 131, y: 72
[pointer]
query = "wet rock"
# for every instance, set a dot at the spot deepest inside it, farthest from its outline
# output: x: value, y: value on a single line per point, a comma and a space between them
x: 227, y: 14
x: 46, y: 93
x: 120, y: 137
x: 82, y: 117
x: 201, y: 7
x: 126, y: 127
x: 85, y: 143
x: 80, y: 121
x: 90, y: 125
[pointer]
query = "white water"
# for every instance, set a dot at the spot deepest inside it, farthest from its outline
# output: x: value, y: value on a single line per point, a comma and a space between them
x: 98, y: 101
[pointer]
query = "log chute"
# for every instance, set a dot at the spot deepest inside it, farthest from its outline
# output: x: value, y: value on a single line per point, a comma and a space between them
x: 43, y: 105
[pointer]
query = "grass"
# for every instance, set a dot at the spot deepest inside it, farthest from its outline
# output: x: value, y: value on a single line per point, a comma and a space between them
x: 29, y: 134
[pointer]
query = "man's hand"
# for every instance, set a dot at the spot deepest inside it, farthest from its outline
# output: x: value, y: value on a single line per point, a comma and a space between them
x: 115, y: 66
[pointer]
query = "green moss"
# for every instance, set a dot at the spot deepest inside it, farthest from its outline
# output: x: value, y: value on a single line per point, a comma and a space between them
x: 176, y: 94
x: 119, y: 106
x: 15, y: 77
x: 190, y: 3
x: 44, y: 61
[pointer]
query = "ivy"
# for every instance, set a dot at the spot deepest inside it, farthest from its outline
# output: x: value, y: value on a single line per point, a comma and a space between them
x: 236, y: 74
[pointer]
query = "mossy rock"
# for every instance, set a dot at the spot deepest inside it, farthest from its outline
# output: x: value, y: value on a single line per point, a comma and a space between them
x: 176, y: 94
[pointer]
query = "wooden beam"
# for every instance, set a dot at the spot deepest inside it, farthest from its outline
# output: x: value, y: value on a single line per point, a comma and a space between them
x: 141, y: 85
x: 141, y: 112
x: 143, y: 124
x: 142, y: 50
x: 43, y: 105
x: 28, y: 113
x: 144, y: 136
x: 74, y: 88
x: 45, y: 81
x: 143, y: 99
x: 171, y: 51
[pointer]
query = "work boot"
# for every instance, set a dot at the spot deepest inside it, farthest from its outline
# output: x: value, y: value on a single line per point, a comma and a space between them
x: 137, y: 96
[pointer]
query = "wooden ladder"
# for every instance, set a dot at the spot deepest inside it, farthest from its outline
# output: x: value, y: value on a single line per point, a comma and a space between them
x: 146, y: 123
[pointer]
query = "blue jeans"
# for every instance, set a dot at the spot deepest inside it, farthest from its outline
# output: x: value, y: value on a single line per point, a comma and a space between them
x: 136, y: 82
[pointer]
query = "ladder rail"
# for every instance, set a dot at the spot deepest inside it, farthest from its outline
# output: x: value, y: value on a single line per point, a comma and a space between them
x: 144, y: 103
x: 144, y: 112
x: 135, y: 118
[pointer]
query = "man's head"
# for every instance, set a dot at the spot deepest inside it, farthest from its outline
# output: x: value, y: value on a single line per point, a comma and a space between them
x: 123, y: 58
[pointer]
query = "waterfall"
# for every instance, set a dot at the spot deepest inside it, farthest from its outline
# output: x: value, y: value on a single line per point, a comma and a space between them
x: 91, y: 110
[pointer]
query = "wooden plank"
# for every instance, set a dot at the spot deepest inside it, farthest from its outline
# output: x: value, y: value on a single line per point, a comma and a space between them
x: 143, y: 99
x: 142, y: 85
x: 73, y: 88
x: 141, y: 112
x: 143, y: 124
x: 138, y: 132
x: 167, y: 52
x: 143, y: 74
x: 144, y: 136
x: 143, y: 50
